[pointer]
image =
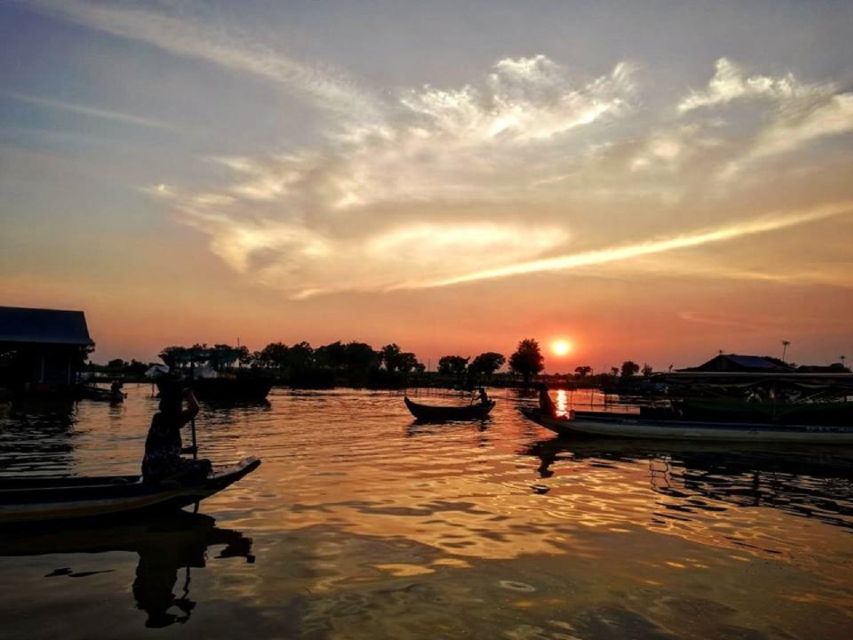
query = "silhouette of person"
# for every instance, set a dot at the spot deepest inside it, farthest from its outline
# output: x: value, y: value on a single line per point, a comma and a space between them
x: 546, y: 405
x: 484, y: 397
x: 163, y: 445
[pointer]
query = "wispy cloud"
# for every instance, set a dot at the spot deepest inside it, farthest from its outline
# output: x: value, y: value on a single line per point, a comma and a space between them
x: 92, y: 112
x: 530, y: 169
x: 177, y: 31
x: 800, y: 112
x: 730, y: 83
x: 414, y: 197
x: 650, y: 247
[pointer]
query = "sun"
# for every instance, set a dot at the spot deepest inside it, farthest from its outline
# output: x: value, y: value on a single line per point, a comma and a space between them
x: 561, y: 347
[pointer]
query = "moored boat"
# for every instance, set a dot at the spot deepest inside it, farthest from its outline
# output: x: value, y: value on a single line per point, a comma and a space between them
x: 434, y: 413
x: 99, y: 394
x: 40, y: 499
x: 225, y: 389
x: 611, y: 425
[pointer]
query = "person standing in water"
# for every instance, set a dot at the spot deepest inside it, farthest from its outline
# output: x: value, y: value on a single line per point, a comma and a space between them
x: 163, y: 445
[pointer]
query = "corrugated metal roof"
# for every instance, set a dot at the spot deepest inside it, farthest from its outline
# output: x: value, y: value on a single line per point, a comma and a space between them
x: 43, y: 326
x: 736, y: 362
x: 753, y: 362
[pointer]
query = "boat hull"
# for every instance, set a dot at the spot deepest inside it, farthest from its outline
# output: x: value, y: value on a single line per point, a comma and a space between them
x: 427, y: 413
x: 613, y: 426
x: 225, y: 390
x: 25, y: 500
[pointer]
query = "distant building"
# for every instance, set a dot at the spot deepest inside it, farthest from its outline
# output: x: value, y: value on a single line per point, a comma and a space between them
x: 42, y: 348
x: 836, y: 367
x: 734, y: 363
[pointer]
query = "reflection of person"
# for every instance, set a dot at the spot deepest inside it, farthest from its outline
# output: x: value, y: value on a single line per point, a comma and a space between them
x: 183, y: 543
x: 546, y: 405
x: 163, y: 459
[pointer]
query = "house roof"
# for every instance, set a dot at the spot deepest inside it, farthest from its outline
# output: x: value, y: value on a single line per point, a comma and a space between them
x: 43, y: 326
x: 754, y: 362
x: 736, y: 362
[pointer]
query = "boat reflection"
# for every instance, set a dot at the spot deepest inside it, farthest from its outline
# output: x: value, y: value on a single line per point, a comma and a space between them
x: 810, y: 482
x: 165, y: 545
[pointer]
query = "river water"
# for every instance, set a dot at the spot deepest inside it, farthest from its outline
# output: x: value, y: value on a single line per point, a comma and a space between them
x: 363, y: 524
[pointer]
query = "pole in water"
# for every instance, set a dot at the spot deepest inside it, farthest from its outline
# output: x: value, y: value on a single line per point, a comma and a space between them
x: 192, y: 420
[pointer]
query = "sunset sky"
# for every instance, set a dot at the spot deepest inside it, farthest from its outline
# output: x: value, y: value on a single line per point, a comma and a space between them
x: 646, y: 180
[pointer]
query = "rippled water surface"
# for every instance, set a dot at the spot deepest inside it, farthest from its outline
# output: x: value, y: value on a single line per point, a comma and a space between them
x: 363, y: 524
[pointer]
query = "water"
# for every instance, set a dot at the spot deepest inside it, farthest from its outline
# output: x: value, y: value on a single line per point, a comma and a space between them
x: 361, y: 524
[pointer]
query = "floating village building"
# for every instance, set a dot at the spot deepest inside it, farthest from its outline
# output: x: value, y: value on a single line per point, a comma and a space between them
x: 42, y: 349
x: 734, y: 363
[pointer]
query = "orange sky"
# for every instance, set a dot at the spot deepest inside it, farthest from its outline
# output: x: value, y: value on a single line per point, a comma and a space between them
x: 204, y: 175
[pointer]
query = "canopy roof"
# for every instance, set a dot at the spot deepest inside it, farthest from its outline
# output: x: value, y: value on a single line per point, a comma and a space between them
x: 43, y: 326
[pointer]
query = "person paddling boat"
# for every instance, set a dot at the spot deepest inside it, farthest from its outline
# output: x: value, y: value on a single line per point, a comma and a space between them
x: 163, y: 446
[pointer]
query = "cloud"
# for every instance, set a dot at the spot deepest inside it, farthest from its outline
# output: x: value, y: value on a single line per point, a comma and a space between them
x: 531, y: 169
x: 176, y: 31
x: 92, y: 112
x: 800, y: 112
x: 524, y: 99
x: 654, y: 246
x: 729, y: 83
x: 428, y: 193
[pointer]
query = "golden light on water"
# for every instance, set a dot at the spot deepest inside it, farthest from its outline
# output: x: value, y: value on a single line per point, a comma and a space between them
x: 562, y: 402
x: 561, y: 347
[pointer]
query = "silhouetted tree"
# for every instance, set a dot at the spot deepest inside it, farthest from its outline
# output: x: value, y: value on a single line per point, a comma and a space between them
x: 222, y: 356
x: 647, y: 369
x: 388, y: 356
x: 629, y: 368
x: 117, y: 363
x: 331, y: 355
x: 300, y: 356
x: 527, y: 359
x: 406, y: 363
x: 273, y: 355
x: 487, y: 363
x: 583, y: 371
x: 360, y: 356
x: 453, y: 366
x: 175, y: 356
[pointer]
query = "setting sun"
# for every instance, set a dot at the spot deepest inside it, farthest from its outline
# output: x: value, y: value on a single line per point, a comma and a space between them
x: 561, y: 347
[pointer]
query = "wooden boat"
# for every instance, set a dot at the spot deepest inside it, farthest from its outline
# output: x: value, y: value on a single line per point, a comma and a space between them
x: 225, y: 390
x: 98, y: 394
x: 34, y: 499
x: 432, y: 413
x: 600, y: 424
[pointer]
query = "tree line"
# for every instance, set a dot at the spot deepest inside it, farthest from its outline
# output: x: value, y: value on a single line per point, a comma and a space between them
x: 359, y: 364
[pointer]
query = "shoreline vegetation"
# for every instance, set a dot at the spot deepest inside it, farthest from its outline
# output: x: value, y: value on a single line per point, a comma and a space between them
x: 359, y: 365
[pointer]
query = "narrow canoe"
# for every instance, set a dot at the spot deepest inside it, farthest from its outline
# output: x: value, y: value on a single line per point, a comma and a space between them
x: 98, y: 394
x: 40, y: 499
x: 431, y: 413
x: 629, y: 426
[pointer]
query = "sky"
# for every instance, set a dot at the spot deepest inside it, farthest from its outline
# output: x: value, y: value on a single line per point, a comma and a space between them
x: 653, y: 181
